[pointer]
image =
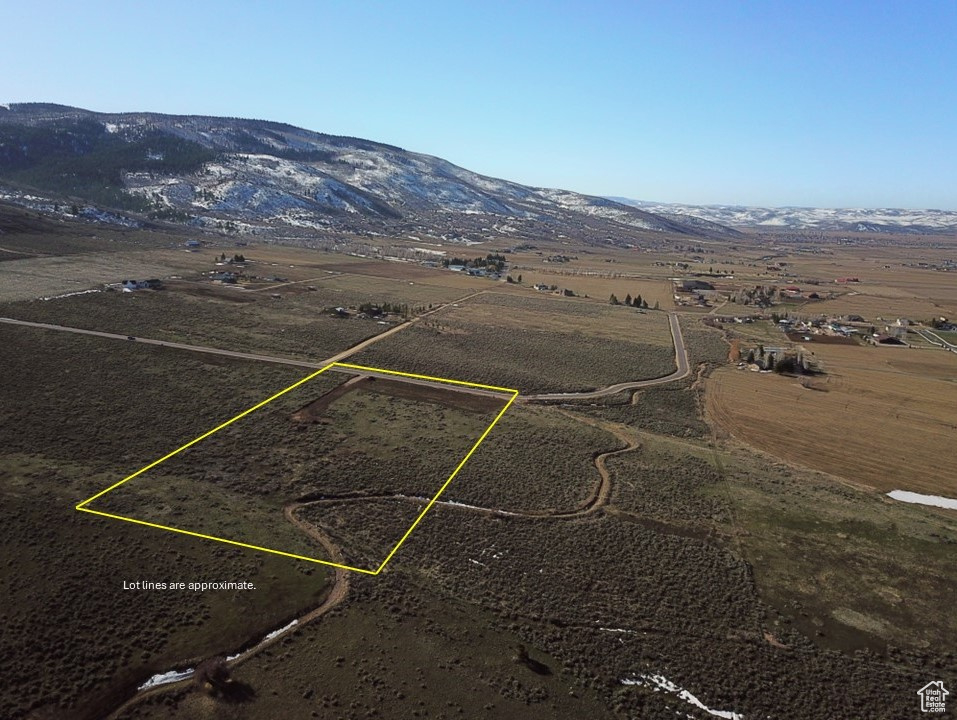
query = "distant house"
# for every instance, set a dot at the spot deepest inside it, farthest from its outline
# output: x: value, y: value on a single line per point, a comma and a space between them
x: 223, y: 277
x: 845, y: 280
x: 193, y: 243
x: 456, y: 268
x: 130, y: 285
x: 541, y: 287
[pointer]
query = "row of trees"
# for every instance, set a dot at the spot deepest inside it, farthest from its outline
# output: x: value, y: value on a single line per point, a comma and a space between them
x: 377, y: 309
x: 492, y: 260
x: 637, y: 301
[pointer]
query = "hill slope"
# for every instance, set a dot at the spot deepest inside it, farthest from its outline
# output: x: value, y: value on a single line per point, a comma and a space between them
x: 270, y: 178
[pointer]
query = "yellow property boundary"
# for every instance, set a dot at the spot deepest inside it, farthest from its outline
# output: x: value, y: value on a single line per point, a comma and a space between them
x: 82, y: 507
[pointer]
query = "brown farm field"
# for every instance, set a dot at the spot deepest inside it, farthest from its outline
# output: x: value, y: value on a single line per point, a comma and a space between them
x: 892, y: 408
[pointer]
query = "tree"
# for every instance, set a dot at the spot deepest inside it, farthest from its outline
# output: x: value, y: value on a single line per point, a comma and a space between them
x: 613, y: 300
x: 638, y: 300
x: 508, y: 279
x: 644, y: 304
x: 657, y: 305
x: 628, y: 299
x: 519, y: 279
x: 751, y: 356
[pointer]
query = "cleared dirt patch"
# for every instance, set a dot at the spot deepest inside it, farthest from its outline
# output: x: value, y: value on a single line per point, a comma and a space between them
x: 457, y: 399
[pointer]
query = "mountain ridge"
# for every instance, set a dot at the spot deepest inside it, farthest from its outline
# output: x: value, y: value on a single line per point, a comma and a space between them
x: 267, y: 177
x: 929, y: 221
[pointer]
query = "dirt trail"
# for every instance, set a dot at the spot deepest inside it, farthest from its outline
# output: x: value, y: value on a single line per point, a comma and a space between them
x: 596, y: 500
x: 338, y: 593
x: 340, y: 585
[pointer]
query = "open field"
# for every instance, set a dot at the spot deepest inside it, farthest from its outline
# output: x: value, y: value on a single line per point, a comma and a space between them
x: 556, y: 339
x: 892, y: 408
x: 838, y: 563
x: 584, y: 548
x: 658, y: 582
x: 213, y: 316
x: 363, y: 443
x: 583, y: 282
x: 115, y: 408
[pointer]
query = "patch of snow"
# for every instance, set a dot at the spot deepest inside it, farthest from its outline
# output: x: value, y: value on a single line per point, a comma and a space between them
x: 659, y: 682
x: 69, y: 294
x: 280, y: 631
x: 918, y: 499
x: 166, y: 678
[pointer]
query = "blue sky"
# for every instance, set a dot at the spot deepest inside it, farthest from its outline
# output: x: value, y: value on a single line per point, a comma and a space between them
x: 774, y: 103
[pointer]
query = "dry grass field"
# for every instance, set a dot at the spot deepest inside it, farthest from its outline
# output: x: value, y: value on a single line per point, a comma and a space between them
x: 881, y: 417
x: 26, y: 279
x: 532, y: 344
x: 598, y: 287
x: 556, y: 314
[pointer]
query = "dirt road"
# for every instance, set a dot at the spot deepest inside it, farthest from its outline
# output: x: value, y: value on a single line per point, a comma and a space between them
x: 338, y: 357
x: 681, y: 356
x: 681, y: 371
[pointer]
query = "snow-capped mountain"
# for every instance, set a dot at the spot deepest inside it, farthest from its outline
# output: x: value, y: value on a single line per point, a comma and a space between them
x: 267, y: 177
x: 797, y: 218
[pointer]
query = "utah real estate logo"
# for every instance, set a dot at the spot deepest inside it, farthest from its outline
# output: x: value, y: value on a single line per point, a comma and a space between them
x: 933, y: 697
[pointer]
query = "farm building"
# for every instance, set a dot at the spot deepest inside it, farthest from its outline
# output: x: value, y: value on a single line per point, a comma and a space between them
x: 151, y: 284
x: 691, y: 285
x: 888, y: 340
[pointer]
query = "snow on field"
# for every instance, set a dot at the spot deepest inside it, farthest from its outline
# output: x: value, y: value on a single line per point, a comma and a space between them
x: 659, y: 682
x: 918, y: 499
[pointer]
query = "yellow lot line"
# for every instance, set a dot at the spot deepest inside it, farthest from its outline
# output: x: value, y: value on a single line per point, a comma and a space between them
x: 512, y: 393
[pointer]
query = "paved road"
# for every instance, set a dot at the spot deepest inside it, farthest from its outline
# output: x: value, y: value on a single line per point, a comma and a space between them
x: 681, y: 363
